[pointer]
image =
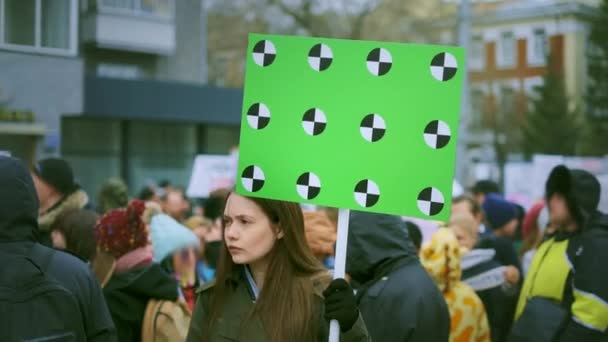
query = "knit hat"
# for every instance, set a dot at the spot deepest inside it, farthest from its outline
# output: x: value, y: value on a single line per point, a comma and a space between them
x: 113, y: 194
x: 169, y: 236
x: 121, y: 231
x: 57, y: 173
x: 498, y: 211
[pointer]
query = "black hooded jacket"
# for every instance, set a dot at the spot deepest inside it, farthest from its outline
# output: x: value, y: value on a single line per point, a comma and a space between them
x: 18, y: 233
x: 585, y: 293
x: 128, y: 294
x: 397, y: 298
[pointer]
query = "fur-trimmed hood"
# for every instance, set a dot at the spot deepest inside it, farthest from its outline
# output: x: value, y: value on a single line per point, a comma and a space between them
x: 581, y: 190
x: 76, y: 200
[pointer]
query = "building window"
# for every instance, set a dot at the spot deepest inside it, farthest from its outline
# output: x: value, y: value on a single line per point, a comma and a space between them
x: 507, y: 49
x: 477, y: 106
x: 477, y: 52
x: 45, y: 26
x: 151, y: 8
x: 539, y: 48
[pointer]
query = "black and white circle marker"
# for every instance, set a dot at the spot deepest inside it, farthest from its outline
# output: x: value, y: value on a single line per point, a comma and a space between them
x: 444, y: 66
x: 314, y: 121
x: 430, y: 201
x: 308, y: 186
x: 373, y: 127
x: 258, y: 116
x: 264, y: 53
x: 320, y: 57
x: 437, y: 134
x: 253, y: 178
x: 367, y: 193
x: 379, y: 61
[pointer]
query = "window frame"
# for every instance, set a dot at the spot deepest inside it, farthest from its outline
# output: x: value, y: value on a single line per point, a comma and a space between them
x: 478, y: 60
x: 37, y: 48
x: 533, y: 59
x: 502, y: 62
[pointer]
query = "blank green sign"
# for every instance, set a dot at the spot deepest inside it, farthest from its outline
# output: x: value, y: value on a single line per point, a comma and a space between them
x: 358, y: 125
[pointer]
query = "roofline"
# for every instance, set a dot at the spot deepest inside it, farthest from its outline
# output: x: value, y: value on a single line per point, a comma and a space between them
x: 510, y: 13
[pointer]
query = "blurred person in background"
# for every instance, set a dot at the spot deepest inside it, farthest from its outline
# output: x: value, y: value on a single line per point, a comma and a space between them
x: 501, y: 217
x: 398, y: 299
x: 483, y: 188
x: 468, y: 204
x: 176, y: 250
x: 203, y: 229
x: 441, y: 258
x: 46, y: 294
x: 175, y: 204
x: 485, y: 275
x: 321, y: 234
x: 113, y: 194
x: 134, y: 279
x: 517, y: 238
x: 213, y: 210
x: 149, y: 193
x: 57, y: 192
x: 565, y: 297
x: 534, y: 228
x: 74, y: 232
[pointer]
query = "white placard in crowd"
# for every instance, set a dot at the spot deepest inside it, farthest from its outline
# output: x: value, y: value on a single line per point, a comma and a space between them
x: 211, y: 172
x: 525, y: 182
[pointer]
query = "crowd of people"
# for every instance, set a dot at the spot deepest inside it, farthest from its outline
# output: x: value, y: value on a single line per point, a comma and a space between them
x: 160, y: 267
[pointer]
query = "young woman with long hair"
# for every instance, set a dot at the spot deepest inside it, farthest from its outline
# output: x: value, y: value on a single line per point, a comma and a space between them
x: 269, y: 285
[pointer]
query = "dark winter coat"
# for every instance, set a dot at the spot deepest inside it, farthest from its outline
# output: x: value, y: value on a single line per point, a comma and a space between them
x: 128, y: 294
x: 570, y: 268
x: 505, y: 250
x: 74, y: 201
x: 18, y: 233
x: 498, y: 301
x: 397, y: 298
x: 233, y: 326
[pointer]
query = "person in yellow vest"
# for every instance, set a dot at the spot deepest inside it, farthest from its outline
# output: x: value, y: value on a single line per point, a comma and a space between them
x: 565, y: 295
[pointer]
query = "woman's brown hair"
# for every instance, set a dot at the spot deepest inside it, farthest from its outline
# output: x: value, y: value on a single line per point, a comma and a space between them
x: 286, y: 303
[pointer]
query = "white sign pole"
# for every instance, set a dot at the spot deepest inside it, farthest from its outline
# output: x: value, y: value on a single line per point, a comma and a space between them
x: 340, y: 264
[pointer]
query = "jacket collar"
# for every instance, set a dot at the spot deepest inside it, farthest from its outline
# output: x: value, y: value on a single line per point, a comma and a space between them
x: 76, y: 200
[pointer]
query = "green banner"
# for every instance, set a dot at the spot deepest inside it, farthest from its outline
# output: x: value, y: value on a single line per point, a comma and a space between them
x: 357, y: 125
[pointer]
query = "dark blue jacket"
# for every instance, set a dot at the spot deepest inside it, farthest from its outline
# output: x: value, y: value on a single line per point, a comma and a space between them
x: 19, y: 233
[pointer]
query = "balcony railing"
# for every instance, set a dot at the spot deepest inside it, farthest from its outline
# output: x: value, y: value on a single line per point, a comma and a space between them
x: 160, y: 9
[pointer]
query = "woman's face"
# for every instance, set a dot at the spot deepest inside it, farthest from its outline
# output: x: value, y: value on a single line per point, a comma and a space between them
x: 464, y: 238
x: 184, y: 262
x: 248, y: 232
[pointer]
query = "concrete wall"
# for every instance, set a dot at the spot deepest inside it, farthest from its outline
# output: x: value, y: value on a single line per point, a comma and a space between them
x: 188, y: 63
x: 47, y: 85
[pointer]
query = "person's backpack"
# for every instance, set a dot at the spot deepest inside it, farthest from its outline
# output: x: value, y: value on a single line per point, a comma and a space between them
x: 33, y: 305
x: 165, y: 321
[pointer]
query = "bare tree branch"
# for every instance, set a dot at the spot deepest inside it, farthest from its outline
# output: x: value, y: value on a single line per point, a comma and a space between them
x: 359, y: 21
x: 304, y: 20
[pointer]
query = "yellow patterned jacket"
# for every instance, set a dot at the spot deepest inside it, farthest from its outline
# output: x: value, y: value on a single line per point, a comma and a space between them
x: 441, y: 258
